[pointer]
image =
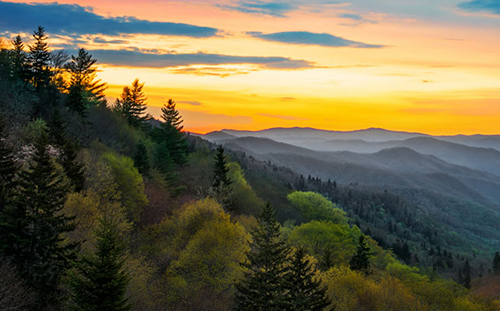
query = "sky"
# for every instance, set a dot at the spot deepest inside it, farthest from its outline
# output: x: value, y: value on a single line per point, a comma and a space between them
x: 430, y: 66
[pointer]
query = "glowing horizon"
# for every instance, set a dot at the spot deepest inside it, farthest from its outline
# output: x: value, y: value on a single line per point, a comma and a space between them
x: 413, y: 66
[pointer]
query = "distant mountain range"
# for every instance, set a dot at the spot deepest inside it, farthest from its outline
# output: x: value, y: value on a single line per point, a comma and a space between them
x: 427, y: 170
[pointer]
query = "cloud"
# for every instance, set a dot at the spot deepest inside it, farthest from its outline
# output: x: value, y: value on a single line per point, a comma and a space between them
x: 355, y: 19
x: 311, y: 38
x: 281, y: 8
x: 491, y: 6
x: 130, y: 58
x: 277, y: 9
x: 192, y: 103
x: 102, y: 40
x: 76, y: 20
x: 211, y: 71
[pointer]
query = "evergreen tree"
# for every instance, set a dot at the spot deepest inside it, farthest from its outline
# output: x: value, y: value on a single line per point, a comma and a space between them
x: 171, y: 134
x: 164, y: 163
x: 220, y: 178
x: 141, y: 159
x: 132, y: 104
x: 496, y: 263
x: 8, y: 168
x: 18, y: 59
x: 467, y: 274
x: 101, y: 281
x: 32, y: 229
x: 361, y: 260
x: 73, y: 169
x: 264, y: 286
x: 305, y: 292
x: 84, y: 87
x: 38, y: 60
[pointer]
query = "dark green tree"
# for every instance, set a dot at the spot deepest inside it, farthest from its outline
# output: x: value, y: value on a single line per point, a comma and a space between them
x: 170, y: 132
x: 467, y: 274
x: 496, y: 263
x: 18, y: 59
x: 132, y: 104
x: 264, y: 286
x: 84, y: 88
x: 38, y: 60
x: 305, y: 292
x: 167, y: 168
x: 141, y: 159
x: 101, y: 280
x: 68, y: 149
x: 361, y: 260
x: 33, y: 229
x: 221, y: 186
x: 8, y: 168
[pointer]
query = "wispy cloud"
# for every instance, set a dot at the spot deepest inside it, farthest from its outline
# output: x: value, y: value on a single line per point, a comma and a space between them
x: 192, y: 103
x: 280, y: 8
x: 355, y: 19
x: 311, y: 38
x: 222, y: 72
x: 490, y: 6
x: 76, y: 20
x: 135, y: 58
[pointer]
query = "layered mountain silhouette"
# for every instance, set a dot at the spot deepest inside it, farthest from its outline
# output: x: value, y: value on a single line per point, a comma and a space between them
x: 455, y: 178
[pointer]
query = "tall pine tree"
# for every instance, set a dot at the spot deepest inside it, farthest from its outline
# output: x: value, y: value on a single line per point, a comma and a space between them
x: 264, y: 285
x: 305, y: 292
x: 141, y: 159
x: 221, y: 187
x: 132, y: 104
x: 101, y: 280
x: 84, y: 88
x: 170, y: 132
x: 68, y: 149
x: 38, y: 60
x: 467, y: 274
x: 361, y: 260
x: 32, y: 229
x: 496, y: 263
x: 18, y: 59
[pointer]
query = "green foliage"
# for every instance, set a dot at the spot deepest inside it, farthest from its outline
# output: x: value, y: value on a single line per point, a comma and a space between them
x: 33, y: 131
x: 242, y: 197
x: 129, y: 181
x: 211, y: 260
x: 132, y: 104
x: 263, y: 287
x: 313, y: 206
x: 361, y: 260
x: 33, y: 228
x: 326, y: 240
x: 101, y: 281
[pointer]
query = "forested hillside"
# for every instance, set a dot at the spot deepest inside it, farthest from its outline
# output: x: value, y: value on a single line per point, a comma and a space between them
x: 104, y: 208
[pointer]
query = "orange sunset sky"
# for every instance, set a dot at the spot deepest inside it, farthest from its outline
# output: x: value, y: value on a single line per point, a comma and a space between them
x: 408, y: 65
